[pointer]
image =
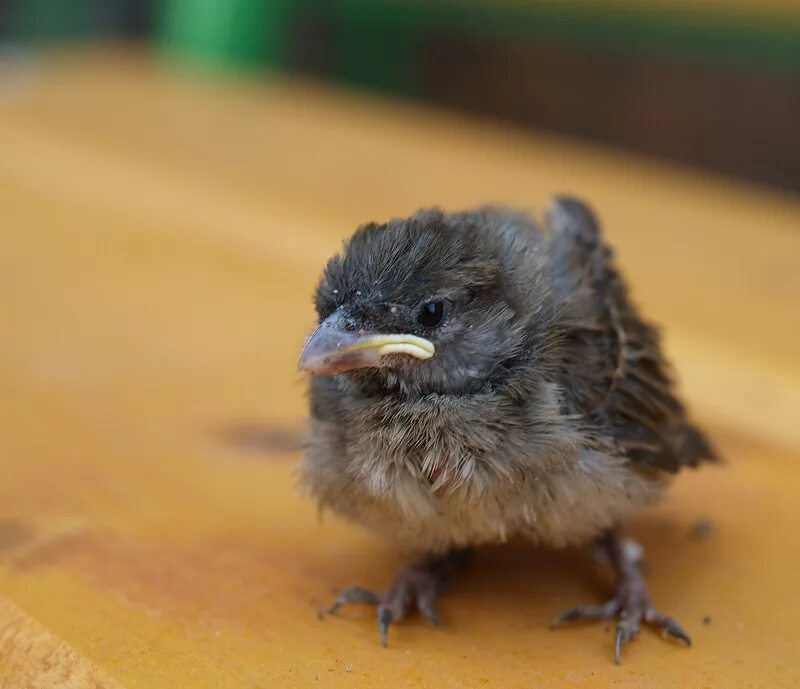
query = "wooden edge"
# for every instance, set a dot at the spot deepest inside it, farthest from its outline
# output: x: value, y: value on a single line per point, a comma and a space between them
x: 32, y: 657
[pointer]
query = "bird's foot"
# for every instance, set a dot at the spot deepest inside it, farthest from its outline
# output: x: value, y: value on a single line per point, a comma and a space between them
x: 630, y: 604
x: 417, y: 585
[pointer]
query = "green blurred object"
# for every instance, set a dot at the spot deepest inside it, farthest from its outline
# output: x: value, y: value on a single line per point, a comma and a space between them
x: 706, y: 83
x: 227, y: 33
x: 376, y: 42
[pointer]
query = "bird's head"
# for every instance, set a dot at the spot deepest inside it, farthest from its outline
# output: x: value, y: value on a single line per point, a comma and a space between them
x: 419, y: 306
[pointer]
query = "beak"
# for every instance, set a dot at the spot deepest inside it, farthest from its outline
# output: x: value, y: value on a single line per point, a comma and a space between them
x: 333, y: 349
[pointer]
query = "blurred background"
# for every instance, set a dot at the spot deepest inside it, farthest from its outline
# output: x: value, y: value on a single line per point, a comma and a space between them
x: 714, y: 84
x: 173, y: 176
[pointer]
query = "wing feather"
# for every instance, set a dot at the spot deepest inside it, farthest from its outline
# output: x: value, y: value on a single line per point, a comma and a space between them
x: 624, y: 385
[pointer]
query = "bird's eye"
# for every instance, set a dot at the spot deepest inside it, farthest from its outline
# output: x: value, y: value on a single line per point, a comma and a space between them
x: 431, y: 314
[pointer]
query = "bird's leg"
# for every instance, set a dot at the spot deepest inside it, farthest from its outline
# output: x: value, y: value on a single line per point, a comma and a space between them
x: 631, y: 602
x: 418, y: 584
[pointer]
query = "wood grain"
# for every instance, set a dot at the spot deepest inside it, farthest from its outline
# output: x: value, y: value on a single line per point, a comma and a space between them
x: 32, y: 657
x: 159, y: 240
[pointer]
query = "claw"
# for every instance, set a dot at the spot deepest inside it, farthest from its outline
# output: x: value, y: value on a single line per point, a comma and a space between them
x: 425, y: 606
x: 384, y: 620
x: 627, y: 629
x: 630, y: 602
x: 622, y: 638
x: 418, y: 584
x: 674, y: 630
x: 669, y: 627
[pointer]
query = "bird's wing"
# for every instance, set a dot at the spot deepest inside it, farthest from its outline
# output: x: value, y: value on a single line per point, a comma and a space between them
x: 613, y: 371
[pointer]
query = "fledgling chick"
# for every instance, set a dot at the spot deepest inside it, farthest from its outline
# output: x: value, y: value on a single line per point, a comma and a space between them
x: 480, y: 378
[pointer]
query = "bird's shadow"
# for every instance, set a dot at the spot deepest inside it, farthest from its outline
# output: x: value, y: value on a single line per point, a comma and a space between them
x: 259, y: 439
x: 14, y: 533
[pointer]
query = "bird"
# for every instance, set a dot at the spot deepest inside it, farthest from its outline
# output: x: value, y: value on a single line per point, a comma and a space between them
x: 482, y: 375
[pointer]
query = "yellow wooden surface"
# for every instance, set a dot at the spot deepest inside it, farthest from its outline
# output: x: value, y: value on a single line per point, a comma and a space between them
x: 159, y: 240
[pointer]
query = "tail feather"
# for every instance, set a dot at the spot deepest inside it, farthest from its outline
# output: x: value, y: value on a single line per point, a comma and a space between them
x: 694, y: 447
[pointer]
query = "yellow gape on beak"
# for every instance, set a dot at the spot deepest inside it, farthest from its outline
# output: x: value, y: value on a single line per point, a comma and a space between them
x: 334, y: 349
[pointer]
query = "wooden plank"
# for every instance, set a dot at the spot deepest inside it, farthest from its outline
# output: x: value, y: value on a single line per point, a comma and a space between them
x: 32, y: 657
x: 160, y: 239
x: 680, y: 235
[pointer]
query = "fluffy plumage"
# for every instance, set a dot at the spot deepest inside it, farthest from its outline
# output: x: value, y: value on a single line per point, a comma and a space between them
x: 548, y: 411
x: 528, y: 398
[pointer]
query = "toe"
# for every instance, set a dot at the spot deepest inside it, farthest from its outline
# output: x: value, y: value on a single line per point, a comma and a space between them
x: 385, y: 618
x: 621, y: 639
x: 676, y: 631
x: 626, y: 630
x: 606, y: 611
x: 355, y: 594
x: 668, y: 626
x: 425, y: 604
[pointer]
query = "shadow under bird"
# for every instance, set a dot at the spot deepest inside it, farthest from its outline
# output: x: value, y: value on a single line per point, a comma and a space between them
x: 479, y: 377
